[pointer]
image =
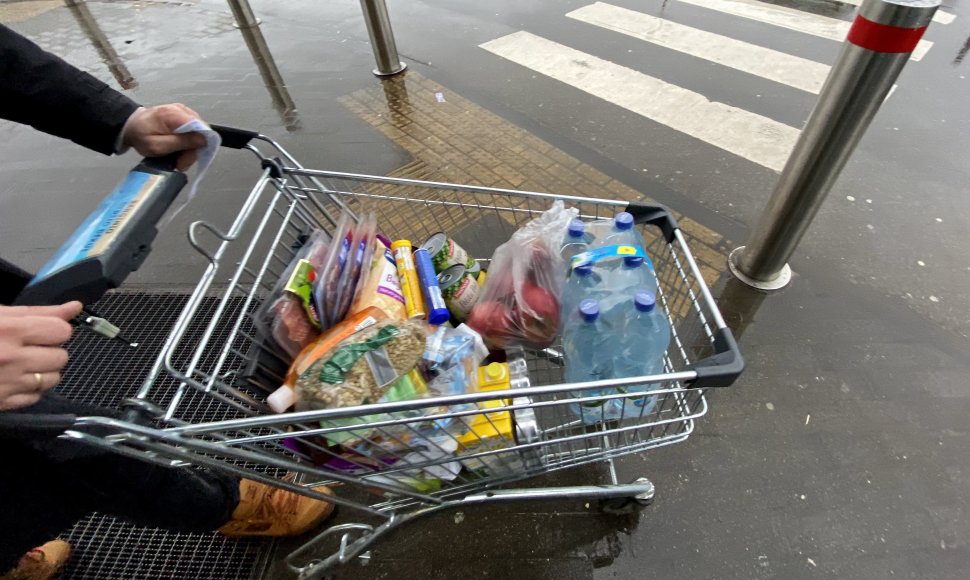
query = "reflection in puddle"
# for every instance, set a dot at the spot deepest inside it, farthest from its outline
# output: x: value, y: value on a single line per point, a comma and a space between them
x: 87, y: 23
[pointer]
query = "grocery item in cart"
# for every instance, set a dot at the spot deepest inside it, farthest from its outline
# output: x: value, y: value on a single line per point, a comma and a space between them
x: 381, y: 287
x: 445, y: 252
x: 621, y: 232
x: 433, y: 300
x: 285, y: 396
x: 361, y: 368
x: 362, y: 252
x: 328, y: 275
x: 584, y: 282
x: 587, y: 340
x: 408, y: 275
x: 577, y: 240
x: 641, y: 336
x: 460, y: 291
x: 283, y: 317
x: 520, y: 301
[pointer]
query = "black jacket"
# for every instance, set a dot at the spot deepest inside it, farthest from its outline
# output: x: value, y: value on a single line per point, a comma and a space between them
x: 41, y: 90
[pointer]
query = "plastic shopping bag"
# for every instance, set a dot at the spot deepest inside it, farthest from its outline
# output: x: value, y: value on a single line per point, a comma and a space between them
x: 519, y: 303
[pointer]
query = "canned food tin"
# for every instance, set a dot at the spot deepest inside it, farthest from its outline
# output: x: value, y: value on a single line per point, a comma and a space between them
x: 460, y: 291
x: 445, y: 252
x: 474, y: 269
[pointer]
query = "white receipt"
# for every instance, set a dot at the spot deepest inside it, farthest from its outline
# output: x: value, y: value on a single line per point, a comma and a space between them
x: 205, y: 156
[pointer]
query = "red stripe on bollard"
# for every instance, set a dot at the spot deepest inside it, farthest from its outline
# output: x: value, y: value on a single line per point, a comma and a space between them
x: 882, y: 37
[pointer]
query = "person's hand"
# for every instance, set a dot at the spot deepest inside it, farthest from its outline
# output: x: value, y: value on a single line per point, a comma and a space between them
x: 31, y: 357
x: 150, y: 132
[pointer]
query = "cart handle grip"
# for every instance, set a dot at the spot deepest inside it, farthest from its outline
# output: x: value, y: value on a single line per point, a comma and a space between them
x: 233, y: 137
x: 654, y: 214
x: 31, y: 425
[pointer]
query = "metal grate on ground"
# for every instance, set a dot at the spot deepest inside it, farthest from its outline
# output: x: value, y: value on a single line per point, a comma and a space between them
x: 104, y: 372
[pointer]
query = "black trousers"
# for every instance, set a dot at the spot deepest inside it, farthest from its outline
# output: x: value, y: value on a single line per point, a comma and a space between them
x: 47, y: 484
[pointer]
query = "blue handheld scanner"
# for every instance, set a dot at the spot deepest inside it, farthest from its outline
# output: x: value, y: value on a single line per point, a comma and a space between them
x: 113, y: 241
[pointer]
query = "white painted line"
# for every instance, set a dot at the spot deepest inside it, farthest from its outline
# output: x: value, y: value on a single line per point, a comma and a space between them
x: 780, y: 67
x: 806, y: 22
x: 940, y: 16
x: 756, y: 138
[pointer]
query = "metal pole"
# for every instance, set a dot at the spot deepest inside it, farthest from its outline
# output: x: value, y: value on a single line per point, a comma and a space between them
x: 381, y: 38
x: 877, y: 47
x: 242, y: 12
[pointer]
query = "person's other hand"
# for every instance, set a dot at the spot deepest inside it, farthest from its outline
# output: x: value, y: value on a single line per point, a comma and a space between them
x: 31, y: 357
x: 150, y: 132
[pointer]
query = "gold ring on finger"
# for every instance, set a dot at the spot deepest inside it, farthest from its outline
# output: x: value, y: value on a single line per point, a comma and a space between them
x: 39, y: 377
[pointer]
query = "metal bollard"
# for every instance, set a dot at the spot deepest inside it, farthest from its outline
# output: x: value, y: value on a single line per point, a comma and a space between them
x: 242, y: 12
x: 877, y: 47
x: 381, y: 38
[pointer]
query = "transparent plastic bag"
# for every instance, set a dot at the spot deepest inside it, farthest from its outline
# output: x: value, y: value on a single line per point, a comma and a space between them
x: 519, y: 303
x: 362, y: 252
x: 286, y: 317
x: 328, y: 275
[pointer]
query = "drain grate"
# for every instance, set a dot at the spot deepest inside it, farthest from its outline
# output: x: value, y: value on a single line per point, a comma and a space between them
x: 102, y: 372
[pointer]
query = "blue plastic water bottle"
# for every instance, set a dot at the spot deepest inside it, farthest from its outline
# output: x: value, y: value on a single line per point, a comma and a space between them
x: 576, y: 241
x: 583, y: 282
x: 623, y: 232
x: 634, y: 272
x: 639, y: 348
x: 586, y: 343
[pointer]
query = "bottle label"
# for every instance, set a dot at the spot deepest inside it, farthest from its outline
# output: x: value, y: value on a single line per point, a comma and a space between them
x: 614, y: 252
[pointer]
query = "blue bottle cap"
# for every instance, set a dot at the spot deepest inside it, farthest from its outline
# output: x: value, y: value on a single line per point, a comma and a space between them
x: 623, y: 220
x: 589, y: 309
x: 576, y: 228
x: 633, y: 261
x: 645, y: 301
x: 584, y: 269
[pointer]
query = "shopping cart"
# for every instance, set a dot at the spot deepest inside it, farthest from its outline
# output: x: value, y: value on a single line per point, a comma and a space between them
x: 493, y: 438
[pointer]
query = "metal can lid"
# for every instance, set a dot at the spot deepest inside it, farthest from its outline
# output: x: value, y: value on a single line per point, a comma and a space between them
x: 435, y: 243
x: 451, y: 276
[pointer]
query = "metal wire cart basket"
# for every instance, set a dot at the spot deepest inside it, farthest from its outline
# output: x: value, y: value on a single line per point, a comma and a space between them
x: 494, y: 437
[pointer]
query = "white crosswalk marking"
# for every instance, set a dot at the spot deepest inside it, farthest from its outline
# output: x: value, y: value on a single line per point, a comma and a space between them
x: 822, y: 26
x: 793, y: 71
x: 749, y: 135
x: 940, y: 17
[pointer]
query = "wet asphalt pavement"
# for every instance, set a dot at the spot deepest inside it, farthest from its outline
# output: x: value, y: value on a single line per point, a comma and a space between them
x: 844, y: 449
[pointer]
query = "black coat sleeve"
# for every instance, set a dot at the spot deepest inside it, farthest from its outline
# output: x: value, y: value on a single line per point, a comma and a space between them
x: 41, y: 90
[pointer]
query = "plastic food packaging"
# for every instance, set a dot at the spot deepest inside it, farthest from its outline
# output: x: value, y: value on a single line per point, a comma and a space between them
x: 362, y: 367
x: 285, y: 316
x: 285, y: 396
x: 362, y: 252
x: 519, y: 304
x: 328, y: 275
x: 381, y: 287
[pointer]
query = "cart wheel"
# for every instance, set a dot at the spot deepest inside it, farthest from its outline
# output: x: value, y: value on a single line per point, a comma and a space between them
x: 629, y: 504
x: 623, y: 505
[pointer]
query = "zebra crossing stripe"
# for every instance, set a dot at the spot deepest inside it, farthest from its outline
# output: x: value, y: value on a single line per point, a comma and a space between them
x: 759, y: 139
x: 805, y: 22
x: 780, y: 67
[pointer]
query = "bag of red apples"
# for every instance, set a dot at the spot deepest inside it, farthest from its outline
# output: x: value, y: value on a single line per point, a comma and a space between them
x: 519, y: 305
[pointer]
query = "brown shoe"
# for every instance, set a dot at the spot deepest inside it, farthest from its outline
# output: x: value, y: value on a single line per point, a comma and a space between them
x: 41, y: 563
x: 265, y: 510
